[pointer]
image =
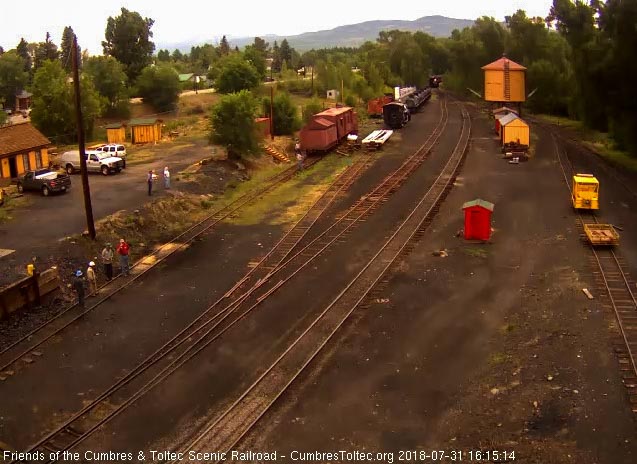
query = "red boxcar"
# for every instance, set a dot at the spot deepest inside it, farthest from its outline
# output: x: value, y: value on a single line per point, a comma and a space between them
x: 328, y: 128
x: 375, y: 106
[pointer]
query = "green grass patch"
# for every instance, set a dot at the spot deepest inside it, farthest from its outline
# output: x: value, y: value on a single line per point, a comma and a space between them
x: 288, y: 202
x: 600, y: 142
x: 507, y: 328
x: 476, y: 252
x: 495, y: 359
x: 12, y: 204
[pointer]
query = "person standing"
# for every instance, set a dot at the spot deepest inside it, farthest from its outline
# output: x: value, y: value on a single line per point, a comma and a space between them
x: 149, y: 180
x: 78, y: 286
x: 166, y: 178
x: 123, y: 249
x: 299, y: 161
x: 107, y: 259
x: 92, y: 279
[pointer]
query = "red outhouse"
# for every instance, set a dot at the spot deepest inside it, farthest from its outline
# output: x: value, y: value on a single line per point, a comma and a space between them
x: 477, y: 220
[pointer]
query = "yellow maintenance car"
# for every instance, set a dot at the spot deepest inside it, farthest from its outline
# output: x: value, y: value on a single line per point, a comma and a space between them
x: 585, y: 191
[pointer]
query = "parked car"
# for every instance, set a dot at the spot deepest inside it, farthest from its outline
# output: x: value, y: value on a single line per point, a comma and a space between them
x: 96, y: 161
x: 44, y: 181
x: 114, y: 149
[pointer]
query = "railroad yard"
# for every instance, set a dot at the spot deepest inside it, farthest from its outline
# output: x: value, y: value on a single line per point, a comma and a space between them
x: 367, y: 324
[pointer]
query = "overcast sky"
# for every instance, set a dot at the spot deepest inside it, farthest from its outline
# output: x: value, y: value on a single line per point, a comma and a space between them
x: 204, y: 19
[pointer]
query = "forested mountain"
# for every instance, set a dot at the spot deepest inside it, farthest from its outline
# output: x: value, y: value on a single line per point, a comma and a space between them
x: 351, y: 35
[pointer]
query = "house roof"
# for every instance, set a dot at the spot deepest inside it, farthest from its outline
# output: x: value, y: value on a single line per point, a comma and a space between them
x: 144, y: 121
x: 24, y: 94
x: 334, y: 111
x: 482, y: 203
x: 504, y: 109
x: 322, y: 122
x: 19, y: 138
x: 117, y: 125
x: 262, y: 119
x: 185, y: 77
x: 498, y: 65
x: 504, y: 120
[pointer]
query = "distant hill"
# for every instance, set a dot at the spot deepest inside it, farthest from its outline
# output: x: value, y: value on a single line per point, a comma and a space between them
x: 351, y: 35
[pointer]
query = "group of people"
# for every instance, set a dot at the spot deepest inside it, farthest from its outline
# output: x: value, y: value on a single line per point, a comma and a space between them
x: 80, y: 280
x: 152, y: 178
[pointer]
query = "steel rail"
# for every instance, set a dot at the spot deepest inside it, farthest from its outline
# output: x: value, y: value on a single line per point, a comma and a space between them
x: 342, y: 181
x: 205, y: 225
x: 257, y: 392
x: 618, y: 268
x: 176, y: 363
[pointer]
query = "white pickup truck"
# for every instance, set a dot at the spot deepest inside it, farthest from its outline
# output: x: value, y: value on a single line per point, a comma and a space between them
x: 96, y: 161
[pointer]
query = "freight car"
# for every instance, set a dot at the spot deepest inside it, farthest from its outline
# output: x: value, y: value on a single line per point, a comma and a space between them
x: 415, y: 100
x: 396, y: 115
x: 375, y: 106
x: 327, y: 129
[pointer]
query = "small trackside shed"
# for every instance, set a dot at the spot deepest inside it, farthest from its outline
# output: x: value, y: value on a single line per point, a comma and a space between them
x: 263, y: 126
x: 514, y: 130
x: 477, y: 219
x: 116, y: 133
x: 147, y: 130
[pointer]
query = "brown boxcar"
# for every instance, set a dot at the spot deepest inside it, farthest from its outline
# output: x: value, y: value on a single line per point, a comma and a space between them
x: 328, y: 128
x: 319, y: 134
x: 344, y: 118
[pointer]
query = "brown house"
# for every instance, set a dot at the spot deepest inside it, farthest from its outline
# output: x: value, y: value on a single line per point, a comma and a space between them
x: 22, y: 147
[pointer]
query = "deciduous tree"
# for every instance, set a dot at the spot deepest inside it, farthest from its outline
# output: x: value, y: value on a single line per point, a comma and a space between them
x: 159, y: 86
x: 233, y: 125
x: 128, y: 40
x: 13, y: 78
x: 236, y: 74
x: 110, y: 81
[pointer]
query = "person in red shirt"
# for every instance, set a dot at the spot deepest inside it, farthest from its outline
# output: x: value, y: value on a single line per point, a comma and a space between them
x: 123, y: 250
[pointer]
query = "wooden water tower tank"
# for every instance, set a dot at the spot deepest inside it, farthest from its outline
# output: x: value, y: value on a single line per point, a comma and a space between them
x: 504, y: 81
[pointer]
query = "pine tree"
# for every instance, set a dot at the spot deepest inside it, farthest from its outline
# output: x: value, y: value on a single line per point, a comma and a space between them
x: 23, y: 50
x: 224, y: 47
x: 66, y: 46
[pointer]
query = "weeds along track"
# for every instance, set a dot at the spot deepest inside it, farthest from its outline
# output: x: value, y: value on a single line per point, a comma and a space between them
x: 25, y: 350
x: 82, y: 424
x: 232, y: 424
x: 614, y: 282
x: 208, y: 326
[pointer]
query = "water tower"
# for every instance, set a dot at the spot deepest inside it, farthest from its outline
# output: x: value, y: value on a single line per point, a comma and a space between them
x: 504, y: 82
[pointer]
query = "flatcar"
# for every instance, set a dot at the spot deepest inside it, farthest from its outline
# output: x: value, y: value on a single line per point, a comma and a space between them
x: 396, y: 115
x: 327, y: 129
x: 375, y: 106
x: 435, y: 81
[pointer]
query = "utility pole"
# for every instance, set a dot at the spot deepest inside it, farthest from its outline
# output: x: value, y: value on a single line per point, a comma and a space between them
x: 272, y: 112
x: 312, y: 80
x: 81, y: 142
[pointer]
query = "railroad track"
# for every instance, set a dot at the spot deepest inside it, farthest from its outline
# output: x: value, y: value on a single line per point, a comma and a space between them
x: 208, y: 326
x: 25, y: 350
x: 232, y: 424
x: 613, y: 280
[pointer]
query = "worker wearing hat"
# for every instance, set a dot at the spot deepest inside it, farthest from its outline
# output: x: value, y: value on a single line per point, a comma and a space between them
x: 78, y: 286
x: 107, y: 260
x: 92, y: 279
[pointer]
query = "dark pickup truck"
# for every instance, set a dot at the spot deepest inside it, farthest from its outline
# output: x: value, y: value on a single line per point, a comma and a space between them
x: 44, y: 181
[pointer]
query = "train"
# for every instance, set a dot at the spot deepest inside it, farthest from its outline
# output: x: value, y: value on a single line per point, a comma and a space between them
x: 435, y: 81
x: 327, y: 129
x: 398, y: 113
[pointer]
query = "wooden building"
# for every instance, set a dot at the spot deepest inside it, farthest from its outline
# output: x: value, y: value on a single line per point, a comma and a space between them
x: 504, y: 81
x: 263, y: 126
x: 513, y: 129
x: 116, y: 133
x: 22, y: 148
x: 145, y: 130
